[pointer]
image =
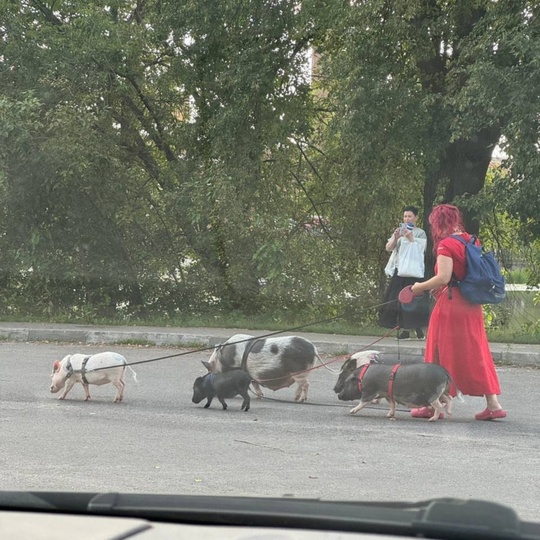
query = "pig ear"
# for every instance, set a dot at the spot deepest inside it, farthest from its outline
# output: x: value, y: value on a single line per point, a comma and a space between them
x: 56, y: 365
x: 207, y: 365
x: 346, y: 364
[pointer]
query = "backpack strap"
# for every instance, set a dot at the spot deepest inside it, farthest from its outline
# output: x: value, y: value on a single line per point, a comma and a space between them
x: 472, y: 240
x: 454, y: 282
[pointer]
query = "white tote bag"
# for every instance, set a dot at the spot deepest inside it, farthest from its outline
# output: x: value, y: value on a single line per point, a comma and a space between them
x: 411, y: 258
x: 390, y: 267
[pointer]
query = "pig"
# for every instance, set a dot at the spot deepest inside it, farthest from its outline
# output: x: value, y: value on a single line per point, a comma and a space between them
x: 273, y: 362
x: 223, y: 385
x: 356, y: 360
x: 414, y: 385
x: 82, y: 368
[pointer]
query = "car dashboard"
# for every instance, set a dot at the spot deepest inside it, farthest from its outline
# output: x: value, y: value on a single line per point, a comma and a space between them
x: 115, y: 516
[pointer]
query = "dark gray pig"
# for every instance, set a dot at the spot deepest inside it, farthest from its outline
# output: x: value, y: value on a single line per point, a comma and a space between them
x: 223, y: 385
x: 415, y: 385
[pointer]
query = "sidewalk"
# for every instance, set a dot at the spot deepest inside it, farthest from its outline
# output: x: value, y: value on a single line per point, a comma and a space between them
x: 337, y: 344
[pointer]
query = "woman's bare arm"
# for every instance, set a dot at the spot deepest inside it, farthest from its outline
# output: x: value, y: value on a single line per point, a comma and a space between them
x: 445, y: 266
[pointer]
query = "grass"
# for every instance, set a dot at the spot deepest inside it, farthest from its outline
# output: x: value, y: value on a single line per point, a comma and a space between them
x: 516, y: 320
x: 135, y: 342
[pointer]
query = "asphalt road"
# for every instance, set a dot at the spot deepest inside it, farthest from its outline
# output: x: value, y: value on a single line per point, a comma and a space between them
x: 158, y: 441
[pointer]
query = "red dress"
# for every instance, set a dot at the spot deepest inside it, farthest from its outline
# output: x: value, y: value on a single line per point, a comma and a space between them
x: 456, y: 337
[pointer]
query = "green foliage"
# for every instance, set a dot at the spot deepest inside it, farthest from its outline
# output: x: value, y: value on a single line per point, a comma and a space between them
x: 423, y: 91
x: 517, y: 248
x: 173, y: 159
x: 163, y: 144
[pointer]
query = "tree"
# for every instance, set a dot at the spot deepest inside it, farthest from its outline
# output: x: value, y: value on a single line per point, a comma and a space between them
x: 164, y: 133
x: 426, y: 89
x: 172, y: 157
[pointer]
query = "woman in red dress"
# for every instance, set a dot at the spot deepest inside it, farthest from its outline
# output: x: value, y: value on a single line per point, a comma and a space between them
x: 456, y: 337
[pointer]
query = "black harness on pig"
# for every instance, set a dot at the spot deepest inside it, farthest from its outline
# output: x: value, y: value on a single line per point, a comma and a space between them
x: 82, y: 371
x: 390, y: 379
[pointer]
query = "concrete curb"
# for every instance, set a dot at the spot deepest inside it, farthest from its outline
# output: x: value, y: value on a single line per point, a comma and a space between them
x: 503, y: 353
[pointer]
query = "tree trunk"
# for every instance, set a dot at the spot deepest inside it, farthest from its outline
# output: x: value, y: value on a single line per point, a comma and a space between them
x: 462, y: 170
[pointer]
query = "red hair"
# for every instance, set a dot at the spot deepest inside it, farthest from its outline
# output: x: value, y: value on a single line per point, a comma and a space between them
x: 445, y: 220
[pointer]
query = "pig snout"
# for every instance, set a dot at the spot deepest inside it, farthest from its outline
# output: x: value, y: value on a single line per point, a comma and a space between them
x: 340, y: 384
x: 58, y: 380
x: 350, y: 390
x: 198, y: 391
x: 55, y: 388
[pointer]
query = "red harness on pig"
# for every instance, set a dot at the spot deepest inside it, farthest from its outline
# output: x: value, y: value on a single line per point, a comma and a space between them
x: 361, y: 377
x: 390, y: 379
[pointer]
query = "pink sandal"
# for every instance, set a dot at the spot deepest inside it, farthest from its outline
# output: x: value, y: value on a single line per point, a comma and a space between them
x: 424, y: 412
x: 488, y: 414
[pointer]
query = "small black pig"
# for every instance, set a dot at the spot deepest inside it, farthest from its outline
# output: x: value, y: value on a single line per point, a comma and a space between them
x: 414, y: 385
x: 223, y: 385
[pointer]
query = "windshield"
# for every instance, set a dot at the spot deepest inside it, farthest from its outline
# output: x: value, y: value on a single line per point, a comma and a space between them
x: 245, y: 248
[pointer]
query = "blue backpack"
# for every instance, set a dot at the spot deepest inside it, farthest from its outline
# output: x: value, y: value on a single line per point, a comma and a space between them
x: 483, y: 283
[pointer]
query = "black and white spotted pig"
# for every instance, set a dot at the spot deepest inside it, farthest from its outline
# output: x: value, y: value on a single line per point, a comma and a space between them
x: 273, y: 362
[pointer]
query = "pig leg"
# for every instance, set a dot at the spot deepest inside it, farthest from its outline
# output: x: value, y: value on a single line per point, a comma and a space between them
x: 438, y: 408
x: 69, y: 385
x: 359, y: 407
x: 223, y: 404
x: 446, y: 399
x: 392, y: 410
x: 246, y: 402
x: 301, y: 391
x: 86, y: 391
x: 120, y: 385
x: 257, y: 389
x: 209, y: 400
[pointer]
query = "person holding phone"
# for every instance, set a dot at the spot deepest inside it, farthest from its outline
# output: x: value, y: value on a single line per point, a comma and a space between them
x: 407, y: 246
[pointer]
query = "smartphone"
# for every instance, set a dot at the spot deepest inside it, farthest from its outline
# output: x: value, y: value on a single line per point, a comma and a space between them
x: 404, y: 227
